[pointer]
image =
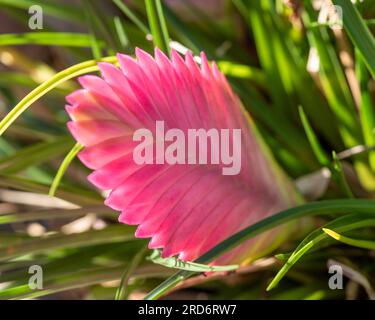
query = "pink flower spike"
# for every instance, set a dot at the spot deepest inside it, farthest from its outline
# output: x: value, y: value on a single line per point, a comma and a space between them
x: 185, y: 208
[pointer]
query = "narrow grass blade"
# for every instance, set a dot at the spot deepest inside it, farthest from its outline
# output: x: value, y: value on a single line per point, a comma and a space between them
x: 75, y: 280
x: 189, y: 36
x: 132, y: 17
x: 33, y: 155
x: 46, y: 38
x: 364, y: 244
x: 367, y: 115
x: 186, y: 265
x: 333, y: 81
x: 358, y: 32
x: 52, y: 8
x: 315, y: 145
x: 94, y: 42
x: 75, y: 195
x: 99, y: 25
x: 121, y: 33
x: 45, y: 87
x: 314, y: 208
x: 37, y: 245
x: 277, y: 122
x: 339, y: 176
x: 266, y: 41
x: 121, y: 290
x: 63, y: 167
x: 346, y: 223
x: 287, y: 56
x: 158, y: 25
x: 17, y: 217
x: 241, y: 71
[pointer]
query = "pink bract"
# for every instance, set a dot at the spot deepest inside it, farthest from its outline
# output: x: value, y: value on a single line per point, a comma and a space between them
x: 184, y: 209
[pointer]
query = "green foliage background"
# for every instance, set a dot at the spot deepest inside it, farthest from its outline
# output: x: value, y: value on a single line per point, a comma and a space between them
x: 315, y: 120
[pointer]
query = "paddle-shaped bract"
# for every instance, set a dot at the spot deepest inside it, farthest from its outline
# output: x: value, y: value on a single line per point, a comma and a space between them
x: 185, y: 209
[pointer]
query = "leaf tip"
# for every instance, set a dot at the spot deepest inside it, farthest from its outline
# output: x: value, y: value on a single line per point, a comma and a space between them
x: 331, y: 233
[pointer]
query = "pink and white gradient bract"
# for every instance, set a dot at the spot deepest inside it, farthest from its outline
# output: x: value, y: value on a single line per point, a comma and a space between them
x: 184, y: 209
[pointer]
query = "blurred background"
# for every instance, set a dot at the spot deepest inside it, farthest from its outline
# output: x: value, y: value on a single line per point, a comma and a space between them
x: 286, y: 60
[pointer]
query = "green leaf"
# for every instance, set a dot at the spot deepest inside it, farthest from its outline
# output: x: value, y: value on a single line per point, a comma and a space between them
x: 186, y: 265
x: 364, y: 244
x: 67, y: 39
x: 339, y: 176
x: 17, y: 217
x: 266, y: 41
x: 94, y: 42
x: 278, y: 123
x: 158, y: 25
x: 79, y: 279
x: 367, y: 115
x: 121, y: 33
x: 242, y: 71
x: 69, y: 12
x: 36, y: 245
x: 310, y: 209
x: 45, y: 87
x: 315, y: 145
x: 34, y: 154
x: 76, y: 195
x: 358, y: 32
x: 186, y: 34
x: 121, y: 290
x: 346, y: 223
x: 132, y: 17
x: 333, y: 81
x: 63, y: 167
